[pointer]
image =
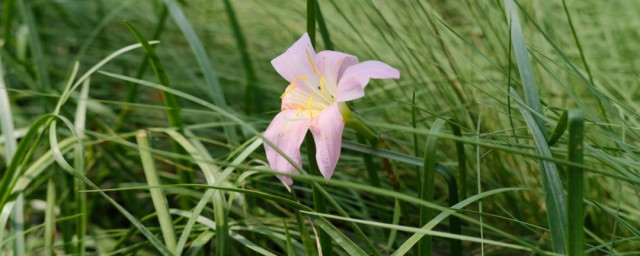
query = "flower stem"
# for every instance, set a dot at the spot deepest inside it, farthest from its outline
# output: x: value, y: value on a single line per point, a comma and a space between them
x: 352, y: 121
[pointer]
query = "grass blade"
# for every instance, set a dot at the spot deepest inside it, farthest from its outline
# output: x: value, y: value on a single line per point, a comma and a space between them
x: 576, y: 240
x: 199, y: 243
x: 559, y: 130
x: 79, y: 164
x: 213, y: 90
x: 342, y: 240
x: 251, y: 90
x: 551, y: 184
x: 319, y: 201
x: 10, y: 145
x: 427, y: 190
x: 50, y: 218
x: 462, y: 158
x: 169, y: 100
x: 455, y: 245
x: 157, y: 195
x: 524, y: 64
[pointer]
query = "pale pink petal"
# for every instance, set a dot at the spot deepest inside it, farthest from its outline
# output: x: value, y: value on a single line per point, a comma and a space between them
x: 295, y: 62
x: 355, y: 78
x: 287, y: 132
x: 327, y: 133
x: 331, y: 65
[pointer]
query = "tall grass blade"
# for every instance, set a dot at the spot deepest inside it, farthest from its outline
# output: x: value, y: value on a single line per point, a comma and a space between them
x: 158, y: 197
x: 455, y: 245
x: 462, y: 158
x: 79, y: 164
x: 524, y: 63
x: 213, y: 90
x: 252, y: 91
x: 576, y: 242
x: 50, y: 218
x: 425, y: 247
x: 38, y: 58
x: 582, y: 57
x: 551, y: 184
x: 169, y: 100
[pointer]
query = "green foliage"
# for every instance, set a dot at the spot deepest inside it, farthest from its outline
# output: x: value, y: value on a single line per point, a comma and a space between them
x: 541, y: 99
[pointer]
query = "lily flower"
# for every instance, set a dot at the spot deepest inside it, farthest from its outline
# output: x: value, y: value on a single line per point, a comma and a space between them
x: 319, y: 84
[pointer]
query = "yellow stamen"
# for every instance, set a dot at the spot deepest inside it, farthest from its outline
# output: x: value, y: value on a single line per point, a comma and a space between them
x: 287, y: 91
x: 315, y: 70
x: 292, y: 85
x: 322, y: 84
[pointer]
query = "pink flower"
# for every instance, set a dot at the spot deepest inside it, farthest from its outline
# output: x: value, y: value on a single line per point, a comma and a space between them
x: 319, y: 83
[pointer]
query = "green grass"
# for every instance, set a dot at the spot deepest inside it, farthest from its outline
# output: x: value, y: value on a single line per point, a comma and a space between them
x: 513, y: 129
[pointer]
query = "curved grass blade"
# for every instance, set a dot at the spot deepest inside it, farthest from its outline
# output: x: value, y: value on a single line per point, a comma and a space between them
x: 23, y: 154
x: 427, y: 232
x: 59, y: 158
x: 446, y: 212
x: 212, y: 225
x: 407, y: 245
x: 338, y: 236
x: 576, y: 240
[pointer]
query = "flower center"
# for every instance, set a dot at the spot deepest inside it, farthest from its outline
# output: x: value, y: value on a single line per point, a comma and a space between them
x: 309, y: 98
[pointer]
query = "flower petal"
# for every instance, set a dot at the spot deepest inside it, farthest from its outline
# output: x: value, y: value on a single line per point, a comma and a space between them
x: 355, y: 78
x: 287, y: 133
x: 331, y: 65
x: 327, y: 133
x: 295, y: 62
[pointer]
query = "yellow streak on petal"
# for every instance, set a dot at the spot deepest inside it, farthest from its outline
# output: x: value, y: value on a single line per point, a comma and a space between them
x: 322, y: 84
x: 315, y: 70
x: 309, y: 103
